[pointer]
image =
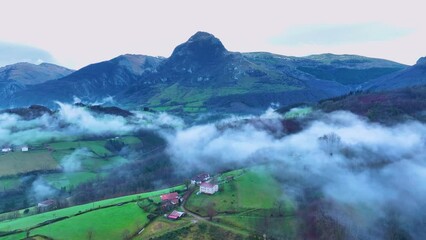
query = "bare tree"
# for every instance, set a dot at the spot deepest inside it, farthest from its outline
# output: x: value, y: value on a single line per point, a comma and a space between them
x: 330, y: 142
x: 279, y: 204
x: 211, y: 211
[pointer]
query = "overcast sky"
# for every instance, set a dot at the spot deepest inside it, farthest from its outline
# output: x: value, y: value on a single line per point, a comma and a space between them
x: 79, y: 32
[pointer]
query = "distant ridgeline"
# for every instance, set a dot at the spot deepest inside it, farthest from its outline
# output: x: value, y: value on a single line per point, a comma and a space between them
x: 200, y: 75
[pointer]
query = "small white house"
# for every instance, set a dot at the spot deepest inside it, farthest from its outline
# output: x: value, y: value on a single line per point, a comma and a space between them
x: 6, y: 149
x: 24, y: 149
x: 209, y: 188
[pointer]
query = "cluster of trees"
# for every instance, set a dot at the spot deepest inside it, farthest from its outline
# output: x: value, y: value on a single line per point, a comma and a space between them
x: 16, y: 198
x: 149, y: 169
x: 331, y: 143
x: 138, y: 176
x: 114, y: 145
x: 385, y: 107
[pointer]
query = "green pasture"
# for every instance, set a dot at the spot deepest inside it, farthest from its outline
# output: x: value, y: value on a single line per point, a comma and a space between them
x: 31, y: 221
x: 14, y: 163
x: 109, y: 223
x: 255, y: 189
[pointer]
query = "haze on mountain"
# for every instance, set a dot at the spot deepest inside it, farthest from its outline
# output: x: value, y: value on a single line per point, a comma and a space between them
x: 409, y: 77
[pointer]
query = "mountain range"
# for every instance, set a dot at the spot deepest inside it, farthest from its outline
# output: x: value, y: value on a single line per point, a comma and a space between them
x: 409, y: 77
x: 19, y: 76
x: 201, y: 74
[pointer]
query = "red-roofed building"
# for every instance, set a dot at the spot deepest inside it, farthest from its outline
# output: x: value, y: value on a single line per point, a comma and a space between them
x: 175, y: 215
x: 168, y: 201
x: 170, y: 197
x: 209, y: 188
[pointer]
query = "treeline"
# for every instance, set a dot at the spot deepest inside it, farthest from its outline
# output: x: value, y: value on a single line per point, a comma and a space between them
x: 384, y: 107
x: 149, y: 169
x: 141, y: 175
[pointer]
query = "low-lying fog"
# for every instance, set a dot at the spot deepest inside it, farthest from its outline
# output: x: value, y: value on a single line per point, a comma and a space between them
x: 369, y: 172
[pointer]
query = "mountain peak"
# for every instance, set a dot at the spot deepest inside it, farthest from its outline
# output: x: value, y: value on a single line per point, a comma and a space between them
x: 29, y: 74
x: 202, y: 47
x: 421, y: 61
x: 203, y: 36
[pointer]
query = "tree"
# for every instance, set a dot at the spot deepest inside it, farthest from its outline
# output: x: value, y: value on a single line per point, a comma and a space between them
x: 25, y: 203
x: 114, y: 145
x: 262, y: 226
x: 279, y: 205
x: 330, y: 143
x: 187, y: 183
x: 211, y: 211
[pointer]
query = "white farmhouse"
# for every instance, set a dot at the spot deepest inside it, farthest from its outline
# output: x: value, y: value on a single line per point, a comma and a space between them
x: 209, y: 188
x: 6, y: 149
x: 24, y: 149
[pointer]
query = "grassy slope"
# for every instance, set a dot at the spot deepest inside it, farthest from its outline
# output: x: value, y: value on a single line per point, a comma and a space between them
x: 255, y: 189
x: 97, y: 147
x: 162, y: 226
x: 30, y: 221
x: 297, y: 112
x: 246, y: 204
x: 192, y: 99
x: 93, y: 165
x: 59, y: 180
x: 200, y: 230
x: 348, y: 76
x: 249, y: 203
x: 14, y: 237
x: 109, y: 223
x: 8, y: 183
x: 22, y: 162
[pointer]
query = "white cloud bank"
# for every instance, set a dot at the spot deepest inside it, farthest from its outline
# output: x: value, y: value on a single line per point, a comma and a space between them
x: 370, y: 169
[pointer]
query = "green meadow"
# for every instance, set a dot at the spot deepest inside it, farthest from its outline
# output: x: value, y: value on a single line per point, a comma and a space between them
x: 254, y: 189
x: 249, y: 200
x: 14, y: 163
x: 109, y: 223
x: 28, y: 222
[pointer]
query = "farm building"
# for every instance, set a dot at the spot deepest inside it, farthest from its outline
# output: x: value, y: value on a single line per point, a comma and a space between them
x: 169, y: 201
x: 175, y: 215
x: 24, y: 148
x: 170, y: 197
x: 46, y: 205
x: 209, y: 188
x: 200, y: 178
x: 6, y: 149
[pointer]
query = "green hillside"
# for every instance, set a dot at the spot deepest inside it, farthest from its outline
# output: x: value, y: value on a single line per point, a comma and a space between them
x: 250, y: 202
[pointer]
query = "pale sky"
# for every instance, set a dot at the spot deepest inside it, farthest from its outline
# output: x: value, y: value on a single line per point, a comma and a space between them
x: 79, y: 32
